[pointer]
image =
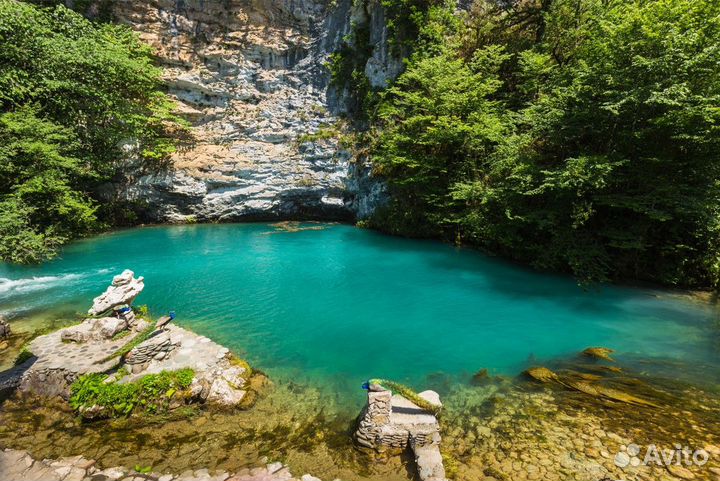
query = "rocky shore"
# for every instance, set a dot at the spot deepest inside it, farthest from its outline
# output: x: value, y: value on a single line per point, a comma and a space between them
x: 127, y: 348
x: 16, y: 465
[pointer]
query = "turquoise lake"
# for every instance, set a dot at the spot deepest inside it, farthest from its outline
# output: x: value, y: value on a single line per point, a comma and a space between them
x: 337, y: 305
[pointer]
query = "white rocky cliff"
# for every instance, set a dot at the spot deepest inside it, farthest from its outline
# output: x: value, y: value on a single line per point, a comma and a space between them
x: 250, y: 78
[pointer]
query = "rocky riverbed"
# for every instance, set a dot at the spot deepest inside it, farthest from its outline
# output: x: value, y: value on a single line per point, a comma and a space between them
x: 19, y: 465
x: 492, y: 430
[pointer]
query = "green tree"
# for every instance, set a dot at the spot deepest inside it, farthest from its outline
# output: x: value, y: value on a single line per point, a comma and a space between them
x: 39, y: 209
x: 80, y: 104
x: 598, y: 138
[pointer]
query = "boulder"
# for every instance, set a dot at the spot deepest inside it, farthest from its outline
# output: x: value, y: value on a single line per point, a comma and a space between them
x: 221, y: 392
x: 94, y: 330
x: 599, y: 353
x: 541, y: 374
x: 123, y: 291
x: 4, y: 328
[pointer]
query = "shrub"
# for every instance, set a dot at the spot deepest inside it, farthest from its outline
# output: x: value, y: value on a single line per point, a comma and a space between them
x: 151, y: 393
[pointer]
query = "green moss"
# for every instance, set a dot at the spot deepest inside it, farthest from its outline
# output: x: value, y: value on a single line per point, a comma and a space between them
x: 236, y: 361
x: 495, y: 473
x: 142, y: 311
x: 151, y: 393
x: 121, y: 334
x: 23, y: 356
x: 450, y: 463
x: 347, y: 70
x: 408, y: 394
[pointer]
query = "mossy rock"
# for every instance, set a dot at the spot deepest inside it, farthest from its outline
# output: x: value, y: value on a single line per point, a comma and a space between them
x: 23, y: 356
x: 236, y: 361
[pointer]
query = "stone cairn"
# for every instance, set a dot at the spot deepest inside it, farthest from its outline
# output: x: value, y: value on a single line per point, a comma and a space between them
x: 157, y: 347
x: 389, y: 424
x: 122, y: 292
x: 117, y: 298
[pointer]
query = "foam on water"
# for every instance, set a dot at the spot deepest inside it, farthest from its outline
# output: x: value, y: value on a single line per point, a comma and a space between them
x: 21, y: 286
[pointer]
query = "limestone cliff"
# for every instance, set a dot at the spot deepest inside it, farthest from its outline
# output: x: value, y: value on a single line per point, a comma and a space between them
x: 249, y: 75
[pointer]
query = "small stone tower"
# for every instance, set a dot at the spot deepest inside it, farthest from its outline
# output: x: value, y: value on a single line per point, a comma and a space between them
x: 389, y: 424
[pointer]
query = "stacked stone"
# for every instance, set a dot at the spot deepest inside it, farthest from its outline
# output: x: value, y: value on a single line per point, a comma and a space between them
x: 122, y: 292
x: 376, y: 415
x: 157, y: 347
x: 390, y: 424
x: 128, y: 316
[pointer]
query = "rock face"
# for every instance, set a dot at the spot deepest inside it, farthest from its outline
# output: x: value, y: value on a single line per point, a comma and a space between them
x: 390, y: 424
x: 123, y: 291
x: 251, y: 80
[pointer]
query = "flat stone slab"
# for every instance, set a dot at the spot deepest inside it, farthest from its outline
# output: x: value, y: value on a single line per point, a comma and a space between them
x: 406, y: 413
x: 85, y: 357
x: 429, y: 462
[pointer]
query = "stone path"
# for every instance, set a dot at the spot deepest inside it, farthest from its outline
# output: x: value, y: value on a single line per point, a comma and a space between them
x: 56, y: 363
x: 84, y: 357
x: 16, y: 465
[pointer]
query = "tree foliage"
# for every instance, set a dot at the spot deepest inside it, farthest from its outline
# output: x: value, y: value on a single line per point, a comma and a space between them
x: 80, y: 104
x: 578, y: 135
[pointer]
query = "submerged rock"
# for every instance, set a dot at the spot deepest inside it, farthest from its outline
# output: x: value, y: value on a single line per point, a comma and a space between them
x: 589, y: 384
x: 480, y: 377
x: 17, y: 465
x: 599, y: 353
x: 541, y: 374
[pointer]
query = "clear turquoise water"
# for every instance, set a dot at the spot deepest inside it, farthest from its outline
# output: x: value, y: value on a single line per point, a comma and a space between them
x: 340, y: 305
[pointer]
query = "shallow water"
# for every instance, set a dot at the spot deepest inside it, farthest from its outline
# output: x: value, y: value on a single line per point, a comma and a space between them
x: 332, y: 307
